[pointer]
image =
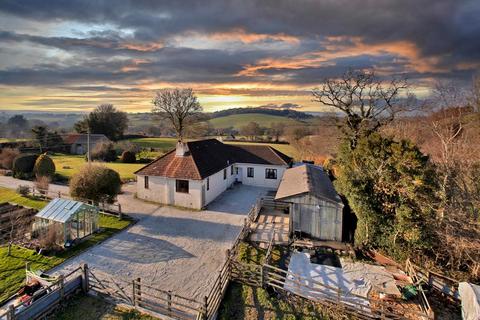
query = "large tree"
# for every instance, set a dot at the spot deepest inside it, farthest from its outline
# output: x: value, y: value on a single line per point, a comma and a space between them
x: 179, y: 106
x: 105, y: 119
x: 391, y: 187
x: 367, y: 101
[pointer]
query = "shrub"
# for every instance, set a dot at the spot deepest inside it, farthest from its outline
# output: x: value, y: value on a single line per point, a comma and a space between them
x: 128, y: 157
x: 126, y: 145
x: 95, y: 182
x: 23, y: 190
x: 42, y: 183
x: 7, y: 155
x: 23, y: 165
x: 104, y: 151
x: 44, y: 166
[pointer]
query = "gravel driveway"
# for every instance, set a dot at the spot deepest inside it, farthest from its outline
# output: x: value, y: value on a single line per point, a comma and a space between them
x: 174, y: 249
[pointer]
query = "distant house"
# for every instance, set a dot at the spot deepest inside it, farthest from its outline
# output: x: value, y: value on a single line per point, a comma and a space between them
x: 195, y: 173
x: 316, y: 210
x: 77, y: 142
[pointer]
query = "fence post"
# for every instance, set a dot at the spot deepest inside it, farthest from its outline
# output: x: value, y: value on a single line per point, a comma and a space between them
x: 120, y: 215
x: 205, y: 308
x: 169, y: 302
x: 139, y: 292
x: 59, y: 194
x: 134, y: 293
x: 85, y: 275
x: 11, y: 312
x: 61, y: 284
x: 262, y: 276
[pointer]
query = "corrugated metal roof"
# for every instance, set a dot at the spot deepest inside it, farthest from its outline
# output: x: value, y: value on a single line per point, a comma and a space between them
x: 307, y: 178
x: 60, y: 210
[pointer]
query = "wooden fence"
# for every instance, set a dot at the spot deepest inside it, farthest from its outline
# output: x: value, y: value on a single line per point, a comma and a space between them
x: 107, y: 208
x: 434, y: 280
x: 143, y: 296
x: 47, y: 299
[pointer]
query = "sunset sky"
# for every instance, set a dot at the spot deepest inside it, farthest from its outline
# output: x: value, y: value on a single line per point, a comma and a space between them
x: 73, y: 55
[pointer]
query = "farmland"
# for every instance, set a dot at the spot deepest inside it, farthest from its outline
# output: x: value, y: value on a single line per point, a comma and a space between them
x: 239, y: 120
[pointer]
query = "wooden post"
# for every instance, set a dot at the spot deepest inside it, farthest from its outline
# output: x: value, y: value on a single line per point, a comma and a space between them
x: 205, y: 308
x: 61, y: 284
x: 262, y: 279
x: 134, y: 293
x: 11, y: 312
x: 85, y: 279
x: 59, y: 194
x: 139, y: 292
x: 120, y: 215
x: 169, y: 303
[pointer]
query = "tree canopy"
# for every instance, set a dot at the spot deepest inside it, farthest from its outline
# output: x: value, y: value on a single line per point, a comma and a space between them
x: 391, y: 187
x: 179, y: 106
x: 105, y: 119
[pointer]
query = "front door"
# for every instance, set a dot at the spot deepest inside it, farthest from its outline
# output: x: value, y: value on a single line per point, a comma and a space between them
x: 239, y: 174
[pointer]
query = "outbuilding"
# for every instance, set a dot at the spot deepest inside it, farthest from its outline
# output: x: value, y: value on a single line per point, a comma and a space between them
x: 70, y: 220
x: 316, y: 209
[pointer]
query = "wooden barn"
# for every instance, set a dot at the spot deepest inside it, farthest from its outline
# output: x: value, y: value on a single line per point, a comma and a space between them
x: 316, y: 209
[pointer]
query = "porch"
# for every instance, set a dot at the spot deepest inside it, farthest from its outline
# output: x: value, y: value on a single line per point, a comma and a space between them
x: 273, y: 222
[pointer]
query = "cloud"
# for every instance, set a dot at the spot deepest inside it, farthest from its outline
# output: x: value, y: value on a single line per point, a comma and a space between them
x: 272, y: 48
x: 288, y: 106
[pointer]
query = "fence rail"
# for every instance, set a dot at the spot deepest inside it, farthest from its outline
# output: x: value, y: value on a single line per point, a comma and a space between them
x: 105, y: 207
x: 46, y: 299
x: 434, y: 280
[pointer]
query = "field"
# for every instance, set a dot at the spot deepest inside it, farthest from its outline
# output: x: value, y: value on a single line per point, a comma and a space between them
x: 12, y: 268
x: 239, y: 120
x: 166, y: 144
x: 67, y: 164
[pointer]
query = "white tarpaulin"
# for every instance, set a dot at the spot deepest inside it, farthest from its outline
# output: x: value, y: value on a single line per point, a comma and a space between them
x: 310, y: 280
x: 470, y: 296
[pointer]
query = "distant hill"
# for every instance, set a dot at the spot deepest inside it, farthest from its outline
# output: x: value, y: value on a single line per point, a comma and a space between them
x: 239, y: 120
x: 288, y: 113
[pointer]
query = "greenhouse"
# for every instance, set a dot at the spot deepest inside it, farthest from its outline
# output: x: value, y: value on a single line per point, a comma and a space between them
x: 71, y: 220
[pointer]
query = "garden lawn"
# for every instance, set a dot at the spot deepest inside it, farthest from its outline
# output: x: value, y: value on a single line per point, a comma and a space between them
x: 8, y: 195
x: 67, y: 164
x: 12, y: 268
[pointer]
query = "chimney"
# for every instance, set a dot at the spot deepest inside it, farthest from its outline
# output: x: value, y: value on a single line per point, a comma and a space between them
x: 181, y: 149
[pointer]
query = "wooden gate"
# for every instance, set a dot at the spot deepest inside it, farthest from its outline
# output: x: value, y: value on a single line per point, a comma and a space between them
x: 144, y: 297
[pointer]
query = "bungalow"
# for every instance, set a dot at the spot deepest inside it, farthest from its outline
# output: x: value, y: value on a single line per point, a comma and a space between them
x: 316, y: 210
x: 195, y: 173
x: 77, y: 142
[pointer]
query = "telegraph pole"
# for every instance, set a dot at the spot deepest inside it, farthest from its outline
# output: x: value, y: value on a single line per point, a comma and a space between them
x: 88, y: 145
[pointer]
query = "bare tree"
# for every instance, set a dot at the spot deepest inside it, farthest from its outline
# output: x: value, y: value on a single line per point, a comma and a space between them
x: 179, y: 106
x: 367, y: 101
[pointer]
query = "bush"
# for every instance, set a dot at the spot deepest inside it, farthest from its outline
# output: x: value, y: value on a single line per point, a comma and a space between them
x: 42, y: 183
x: 23, y: 165
x: 126, y: 145
x: 104, y: 151
x: 95, y: 182
x: 44, y: 166
x: 23, y: 190
x: 128, y: 157
x: 7, y: 155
